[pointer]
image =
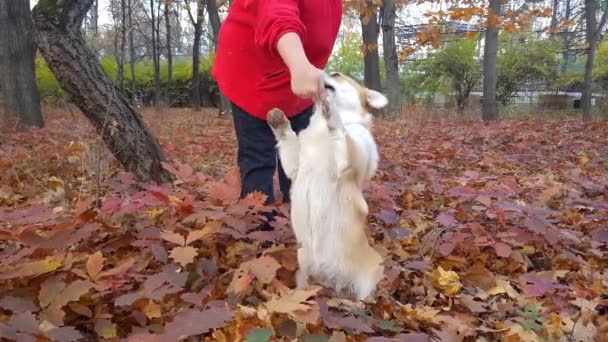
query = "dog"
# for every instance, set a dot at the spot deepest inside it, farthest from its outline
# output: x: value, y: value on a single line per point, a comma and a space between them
x: 328, y: 164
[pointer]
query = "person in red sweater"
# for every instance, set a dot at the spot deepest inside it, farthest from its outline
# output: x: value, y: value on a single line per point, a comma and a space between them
x: 270, y: 54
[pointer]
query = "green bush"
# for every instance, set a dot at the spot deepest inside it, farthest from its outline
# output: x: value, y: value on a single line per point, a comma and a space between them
x: 178, y: 93
x: 48, y: 86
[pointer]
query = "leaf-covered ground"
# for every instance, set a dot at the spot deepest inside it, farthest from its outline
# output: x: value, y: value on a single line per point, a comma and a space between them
x: 490, y: 233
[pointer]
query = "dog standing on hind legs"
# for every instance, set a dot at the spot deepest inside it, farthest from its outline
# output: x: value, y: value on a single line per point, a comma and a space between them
x: 328, y: 164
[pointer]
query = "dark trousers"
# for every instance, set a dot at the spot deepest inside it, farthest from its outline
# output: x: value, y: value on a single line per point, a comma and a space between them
x: 257, y: 152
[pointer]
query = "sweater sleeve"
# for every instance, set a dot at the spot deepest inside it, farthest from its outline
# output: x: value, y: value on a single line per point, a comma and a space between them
x: 274, y: 18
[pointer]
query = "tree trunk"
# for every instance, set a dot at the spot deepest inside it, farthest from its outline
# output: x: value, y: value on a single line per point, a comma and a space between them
x: 18, y: 64
x: 555, y: 9
x: 81, y: 76
x: 371, y: 59
x: 123, y: 39
x: 155, y: 56
x: 216, y: 23
x: 132, y: 55
x: 169, y: 50
x: 591, y: 26
x: 196, y: 58
x: 391, y: 59
x: 489, y: 109
x: 566, y: 39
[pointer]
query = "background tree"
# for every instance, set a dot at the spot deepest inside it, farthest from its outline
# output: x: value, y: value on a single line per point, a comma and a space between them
x: 17, y: 64
x: 168, y: 48
x: 524, y: 58
x: 593, y: 35
x: 196, y: 50
x: 456, y: 65
x: 489, y: 109
x: 125, y: 134
x: 391, y: 58
x: 370, y: 31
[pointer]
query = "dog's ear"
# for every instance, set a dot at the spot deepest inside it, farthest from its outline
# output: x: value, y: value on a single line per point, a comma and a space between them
x: 375, y: 99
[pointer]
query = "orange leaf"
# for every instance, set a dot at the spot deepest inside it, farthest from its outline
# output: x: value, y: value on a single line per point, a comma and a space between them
x: 94, y: 264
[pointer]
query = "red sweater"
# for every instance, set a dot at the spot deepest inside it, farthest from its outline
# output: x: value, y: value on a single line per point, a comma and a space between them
x: 248, y: 67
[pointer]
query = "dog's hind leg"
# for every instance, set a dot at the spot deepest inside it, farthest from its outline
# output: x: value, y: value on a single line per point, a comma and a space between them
x: 287, y: 142
x: 303, y: 272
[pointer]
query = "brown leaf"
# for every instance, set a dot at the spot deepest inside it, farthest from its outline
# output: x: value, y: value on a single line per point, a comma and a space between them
x: 297, y: 305
x: 183, y: 255
x: 17, y: 304
x: 152, y: 310
x: 34, y: 268
x: 263, y: 268
x: 94, y: 264
x: 123, y: 267
x: 173, y: 237
x: 24, y: 322
x: 50, y: 289
x: 64, y: 334
x: 195, y: 322
x: 546, y: 195
x: 209, y: 229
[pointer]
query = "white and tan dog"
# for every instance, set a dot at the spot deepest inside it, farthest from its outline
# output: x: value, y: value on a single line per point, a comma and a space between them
x: 328, y: 163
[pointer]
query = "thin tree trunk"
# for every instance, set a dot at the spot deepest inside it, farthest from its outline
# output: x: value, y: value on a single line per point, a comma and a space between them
x: 132, y: 55
x: 489, y: 110
x: 123, y: 39
x: 216, y: 23
x: 124, y: 132
x: 96, y: 18
x: 155, y: 56
x: 18, y: 64
x: 566, y: 39
x: 391, y: 59
x: 196, y: 58
x: 371, y: 59
x: 169, y: 50
x: 591, y: 26
x: 555, y: 9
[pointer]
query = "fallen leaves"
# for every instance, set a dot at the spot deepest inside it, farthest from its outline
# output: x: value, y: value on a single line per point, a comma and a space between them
x: 447, y: 281
x: 297, y: 305
x: 516, y: 212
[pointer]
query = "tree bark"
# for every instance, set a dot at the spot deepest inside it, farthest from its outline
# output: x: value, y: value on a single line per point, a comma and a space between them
x: 489, y: 108
x: 18, y: 64
x: 57, y: 24
x: 371, y: 59
x: 169, y: 50
x: 391, y: 59
x: 216, y: 23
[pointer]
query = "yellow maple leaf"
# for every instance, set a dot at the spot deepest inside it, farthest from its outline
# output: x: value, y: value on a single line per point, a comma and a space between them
x: 174, y: 199
x: 447, y: 281
x: 153, y: 214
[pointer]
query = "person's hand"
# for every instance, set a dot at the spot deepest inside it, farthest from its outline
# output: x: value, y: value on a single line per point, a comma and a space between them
x: 306, y: 81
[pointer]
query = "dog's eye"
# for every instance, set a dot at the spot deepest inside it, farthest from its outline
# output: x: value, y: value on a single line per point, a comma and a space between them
x: 329, y: 87
x: 335, y: 74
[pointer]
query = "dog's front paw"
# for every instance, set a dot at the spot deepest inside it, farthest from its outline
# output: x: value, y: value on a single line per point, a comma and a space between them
x: 277, y: 121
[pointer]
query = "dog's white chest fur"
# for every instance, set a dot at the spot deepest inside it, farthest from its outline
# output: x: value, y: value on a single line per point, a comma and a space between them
x: 329, y: 163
